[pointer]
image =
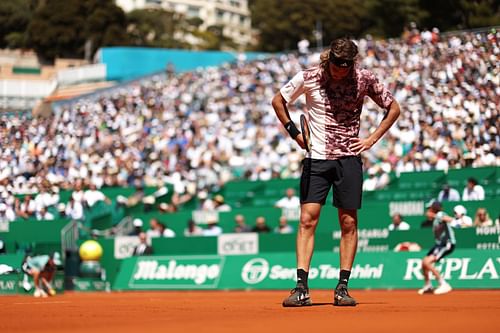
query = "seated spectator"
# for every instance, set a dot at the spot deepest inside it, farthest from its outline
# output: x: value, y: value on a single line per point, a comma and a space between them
x: 193, y: 229
x: 377, y: 179
x: 290, y: 201
x: 6, y: 213
x: 260, y: 225
x: 219, y: 204
x: 155, y: 228
x: 370, y: 183
x: 448, y: 194
x: 241, y: 226
x: 78, y: 192
x: 137, y: 223
x: 283, y: 226
x: 93, y: 195
x: 74, y: 210
x: 167, y: 232
x: 44, y: 215
x: 473, y: 191
x: 482, y: 218
x: 143, y: 249
x: 461, y: 220
x: 205, y: 203
x: 47, y: 197
x: 26, y: 208
x: 213, y: 229
x: 61, y: 209
x: 398, y: 223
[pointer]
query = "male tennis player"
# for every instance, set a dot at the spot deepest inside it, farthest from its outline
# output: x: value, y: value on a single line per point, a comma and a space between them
x: 444, y: 244
x: 42, y: 268
x: 334, y: 93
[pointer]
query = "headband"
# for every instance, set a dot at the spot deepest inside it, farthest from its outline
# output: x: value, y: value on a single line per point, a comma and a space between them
x: 339, y: 62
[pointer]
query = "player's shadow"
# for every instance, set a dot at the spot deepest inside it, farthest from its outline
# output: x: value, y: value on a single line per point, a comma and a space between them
x: 361, y: 303
x: 322, y: 304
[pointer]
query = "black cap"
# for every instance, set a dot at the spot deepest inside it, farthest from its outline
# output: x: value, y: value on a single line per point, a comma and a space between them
x: 434, y: 205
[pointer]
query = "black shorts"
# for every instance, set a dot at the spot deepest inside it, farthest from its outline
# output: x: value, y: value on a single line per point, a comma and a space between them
x: 345, y: 175
x: 441, y: 250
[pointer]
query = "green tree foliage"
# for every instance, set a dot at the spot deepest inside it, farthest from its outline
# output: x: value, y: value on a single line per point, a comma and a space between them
x: 15, y: 16
x: 388, y: 18
x: 281, y: 24
x: 461, y: 14
x: 62, y: 28
x: 152, y: 27
x: 105, y: 24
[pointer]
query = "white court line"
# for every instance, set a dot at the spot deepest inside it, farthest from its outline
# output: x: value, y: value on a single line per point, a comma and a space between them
x: 42, y: 302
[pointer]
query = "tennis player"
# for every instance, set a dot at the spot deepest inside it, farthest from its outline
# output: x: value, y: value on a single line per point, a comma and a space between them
x: 444, y: 245
x: 42, y: 268
x: 334, y: 94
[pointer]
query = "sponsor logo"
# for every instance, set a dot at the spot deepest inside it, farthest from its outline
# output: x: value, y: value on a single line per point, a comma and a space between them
x: 366, y: 233
x: 458, y: 268
x: 174, y: 273
x: 124, y: 246
x: 8, y: 285
x: 235, y: 244
x: 258, y: 269
x: 406, y: 208
x: 488, y: 246
x: 255, y: 271
x: 203, y: 216
x: 485, y: 231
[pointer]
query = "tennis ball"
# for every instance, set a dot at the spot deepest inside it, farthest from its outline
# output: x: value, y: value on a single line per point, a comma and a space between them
x: 90, y: 250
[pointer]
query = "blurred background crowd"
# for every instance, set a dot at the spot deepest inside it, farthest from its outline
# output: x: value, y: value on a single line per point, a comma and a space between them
x: 198, y: 130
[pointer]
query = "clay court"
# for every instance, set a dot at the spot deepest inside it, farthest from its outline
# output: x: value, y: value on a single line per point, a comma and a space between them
x: 256, y: 311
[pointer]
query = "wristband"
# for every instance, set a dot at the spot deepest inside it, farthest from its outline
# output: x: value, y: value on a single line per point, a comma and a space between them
x: 292, y: 129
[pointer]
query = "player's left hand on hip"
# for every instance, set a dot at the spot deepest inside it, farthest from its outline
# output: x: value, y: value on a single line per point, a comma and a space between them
x: 360, y: 145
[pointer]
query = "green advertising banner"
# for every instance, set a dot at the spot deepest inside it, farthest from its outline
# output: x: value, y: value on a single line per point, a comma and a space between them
x: 392, y: 270
x: 13, y: 283
x: 179, y: 272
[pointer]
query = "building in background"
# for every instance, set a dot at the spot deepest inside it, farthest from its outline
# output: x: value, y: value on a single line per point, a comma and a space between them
x: 233, y: 16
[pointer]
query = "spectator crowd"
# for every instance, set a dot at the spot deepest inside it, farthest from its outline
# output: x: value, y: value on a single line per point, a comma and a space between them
x: 200, y: 129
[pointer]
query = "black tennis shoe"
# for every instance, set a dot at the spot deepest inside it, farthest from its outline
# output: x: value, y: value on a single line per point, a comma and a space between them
x: 298, y: 297
x: 341, y: 297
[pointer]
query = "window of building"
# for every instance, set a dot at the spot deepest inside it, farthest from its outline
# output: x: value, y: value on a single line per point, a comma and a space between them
x: 193, y: 11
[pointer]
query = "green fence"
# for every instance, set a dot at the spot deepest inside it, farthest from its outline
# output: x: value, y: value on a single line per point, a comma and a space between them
x: 34, y: 236
x: 406, y: 186
x: 370, y: 240
x: 463, y: 269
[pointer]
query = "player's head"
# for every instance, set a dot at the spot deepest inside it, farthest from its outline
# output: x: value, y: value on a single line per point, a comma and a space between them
x: 56, y: 258
x: 433, y: 208
x: 340, y: 58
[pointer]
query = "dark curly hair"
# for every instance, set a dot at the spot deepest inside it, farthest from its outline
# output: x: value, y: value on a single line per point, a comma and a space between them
x: 343, y: 48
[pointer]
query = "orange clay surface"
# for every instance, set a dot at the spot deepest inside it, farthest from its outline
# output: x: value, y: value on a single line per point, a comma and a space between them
x: 255, y: 311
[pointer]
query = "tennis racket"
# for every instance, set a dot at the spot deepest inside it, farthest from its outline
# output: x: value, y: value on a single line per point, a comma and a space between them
x: 306, y: 132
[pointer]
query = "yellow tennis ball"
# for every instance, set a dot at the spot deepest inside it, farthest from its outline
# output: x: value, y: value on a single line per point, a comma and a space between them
x: 90, y: 250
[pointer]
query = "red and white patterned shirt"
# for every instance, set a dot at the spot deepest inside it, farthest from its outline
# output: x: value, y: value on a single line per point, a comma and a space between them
x: 334, y: 111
